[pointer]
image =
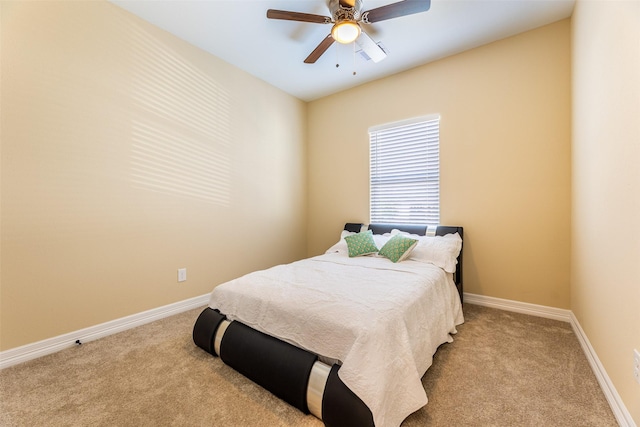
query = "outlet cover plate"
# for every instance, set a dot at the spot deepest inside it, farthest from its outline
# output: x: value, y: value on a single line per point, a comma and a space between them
x: 182, y: 274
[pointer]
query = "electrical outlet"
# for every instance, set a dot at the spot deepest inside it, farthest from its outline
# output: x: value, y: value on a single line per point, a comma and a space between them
x: 182, y: 274
x: 636, y: 365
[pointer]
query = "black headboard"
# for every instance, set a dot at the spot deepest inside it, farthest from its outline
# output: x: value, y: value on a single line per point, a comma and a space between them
x: 420, y: 230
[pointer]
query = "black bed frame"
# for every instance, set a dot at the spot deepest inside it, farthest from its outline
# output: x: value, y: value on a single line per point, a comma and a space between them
x: 293, y: 374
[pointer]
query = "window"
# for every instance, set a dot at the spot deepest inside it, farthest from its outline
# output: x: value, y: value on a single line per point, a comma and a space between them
x: 405, y: 172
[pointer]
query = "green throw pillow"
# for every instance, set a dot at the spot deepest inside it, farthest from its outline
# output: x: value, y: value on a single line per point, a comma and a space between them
x: 361, y: 244
x: 398, y: 248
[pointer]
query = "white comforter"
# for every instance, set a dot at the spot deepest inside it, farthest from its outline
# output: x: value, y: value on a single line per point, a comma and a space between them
x: 384, y: 321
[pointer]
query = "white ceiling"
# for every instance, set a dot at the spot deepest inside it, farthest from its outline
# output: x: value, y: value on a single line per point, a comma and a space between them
x: 274, y: 50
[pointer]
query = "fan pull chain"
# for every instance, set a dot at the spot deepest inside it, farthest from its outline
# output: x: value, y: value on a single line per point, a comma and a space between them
x: 354, y: 58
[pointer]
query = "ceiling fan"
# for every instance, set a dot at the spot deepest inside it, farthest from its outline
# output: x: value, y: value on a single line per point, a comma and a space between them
x: 346, y: 17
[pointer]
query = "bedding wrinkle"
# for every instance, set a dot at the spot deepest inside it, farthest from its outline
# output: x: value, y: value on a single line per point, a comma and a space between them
x: 382, y: 321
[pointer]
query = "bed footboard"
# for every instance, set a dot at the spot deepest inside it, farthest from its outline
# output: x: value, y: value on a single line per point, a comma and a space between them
x: 294, y: 375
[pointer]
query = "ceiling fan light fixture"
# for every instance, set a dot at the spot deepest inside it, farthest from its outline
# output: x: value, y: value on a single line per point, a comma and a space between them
x: 345, y: 32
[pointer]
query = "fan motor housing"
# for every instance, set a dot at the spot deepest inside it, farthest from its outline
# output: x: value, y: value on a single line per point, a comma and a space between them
x: 340, y: 12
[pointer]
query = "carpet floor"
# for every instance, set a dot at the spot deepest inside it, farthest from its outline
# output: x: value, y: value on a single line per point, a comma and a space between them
x: 503, y: 369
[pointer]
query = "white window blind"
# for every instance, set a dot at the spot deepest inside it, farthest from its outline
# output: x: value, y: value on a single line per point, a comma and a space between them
x: 405, y: 172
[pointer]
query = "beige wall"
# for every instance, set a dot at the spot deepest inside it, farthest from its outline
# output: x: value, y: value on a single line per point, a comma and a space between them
x: 505, y: 159
x: 127, y: 154
x: 605, y: 283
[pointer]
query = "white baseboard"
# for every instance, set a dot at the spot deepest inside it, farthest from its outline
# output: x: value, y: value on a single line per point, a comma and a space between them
x: 615, y: 402
x: 41, y: 348
x: 519, y: 307
x: 623, y: 417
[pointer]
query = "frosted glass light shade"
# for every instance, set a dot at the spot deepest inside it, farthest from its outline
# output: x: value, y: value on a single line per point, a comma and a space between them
x: 345, y: 31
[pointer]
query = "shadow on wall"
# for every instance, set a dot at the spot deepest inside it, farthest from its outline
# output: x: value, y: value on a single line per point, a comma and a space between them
x: 181, y: 130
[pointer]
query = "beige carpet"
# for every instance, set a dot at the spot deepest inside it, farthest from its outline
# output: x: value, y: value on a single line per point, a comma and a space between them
x: 503, y: 369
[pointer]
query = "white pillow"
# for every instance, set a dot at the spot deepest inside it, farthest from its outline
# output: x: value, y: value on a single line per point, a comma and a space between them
x: 381, y: 240
x: 441, y: 251
x: 346, y: 233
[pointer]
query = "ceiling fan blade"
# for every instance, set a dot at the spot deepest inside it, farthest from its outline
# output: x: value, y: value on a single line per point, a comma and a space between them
x: 370, y: 47
x: 318, y: 51
x: 297, y: 16
x: 395, y: 10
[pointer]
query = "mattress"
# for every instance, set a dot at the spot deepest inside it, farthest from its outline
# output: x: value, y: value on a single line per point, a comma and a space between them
x: 382, y: 321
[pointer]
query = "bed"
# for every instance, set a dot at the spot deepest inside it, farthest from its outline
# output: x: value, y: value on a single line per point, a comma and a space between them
x: 344, y: 336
